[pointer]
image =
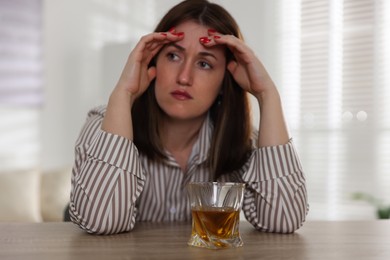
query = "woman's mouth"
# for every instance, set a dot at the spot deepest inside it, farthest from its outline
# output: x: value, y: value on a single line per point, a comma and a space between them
x: 181, y: 95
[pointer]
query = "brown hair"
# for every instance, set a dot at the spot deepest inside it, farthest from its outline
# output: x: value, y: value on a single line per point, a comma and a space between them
x: 230, y: 112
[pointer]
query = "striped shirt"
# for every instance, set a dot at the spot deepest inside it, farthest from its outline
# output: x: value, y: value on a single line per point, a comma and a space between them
x: 114, y: 186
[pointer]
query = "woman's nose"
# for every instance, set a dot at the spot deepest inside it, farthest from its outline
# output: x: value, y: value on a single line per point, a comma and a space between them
x: 185, y: 75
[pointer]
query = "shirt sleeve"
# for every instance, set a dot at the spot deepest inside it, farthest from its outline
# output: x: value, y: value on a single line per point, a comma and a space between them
x: 107, y: 178
x: 275, y: 199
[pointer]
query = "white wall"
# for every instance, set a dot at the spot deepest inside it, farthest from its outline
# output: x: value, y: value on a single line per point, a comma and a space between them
x: 86, y: 43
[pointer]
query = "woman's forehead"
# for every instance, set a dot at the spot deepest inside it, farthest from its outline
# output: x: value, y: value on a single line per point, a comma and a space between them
x: 193, y: 32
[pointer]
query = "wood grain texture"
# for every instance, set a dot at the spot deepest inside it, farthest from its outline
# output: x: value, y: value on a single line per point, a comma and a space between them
x: 315, y: 240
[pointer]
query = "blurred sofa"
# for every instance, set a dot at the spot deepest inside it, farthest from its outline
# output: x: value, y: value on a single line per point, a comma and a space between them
x: 34, y: 195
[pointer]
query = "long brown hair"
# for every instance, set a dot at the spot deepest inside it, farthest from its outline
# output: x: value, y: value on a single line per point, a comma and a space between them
x: 230, y: 112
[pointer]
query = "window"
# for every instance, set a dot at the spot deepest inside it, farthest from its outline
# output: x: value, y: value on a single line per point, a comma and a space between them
x: 20, y: 82
x: 334, y: 58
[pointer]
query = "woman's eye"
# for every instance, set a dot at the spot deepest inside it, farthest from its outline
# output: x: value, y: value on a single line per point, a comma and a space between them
x: 205, y: 65
x: 172, y: 56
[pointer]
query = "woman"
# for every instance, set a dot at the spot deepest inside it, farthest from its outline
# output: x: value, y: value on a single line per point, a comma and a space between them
x: 180, y: 113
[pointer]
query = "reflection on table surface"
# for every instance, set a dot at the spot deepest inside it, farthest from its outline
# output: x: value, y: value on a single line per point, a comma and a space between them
x: 315, y: 240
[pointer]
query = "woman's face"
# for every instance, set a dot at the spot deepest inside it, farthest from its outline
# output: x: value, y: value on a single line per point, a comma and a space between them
x: 189, y: 76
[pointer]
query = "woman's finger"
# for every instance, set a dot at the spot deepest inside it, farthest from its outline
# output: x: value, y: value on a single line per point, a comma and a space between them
x: 239, y: 49
x: 156, y: 41
x: 136, y: 74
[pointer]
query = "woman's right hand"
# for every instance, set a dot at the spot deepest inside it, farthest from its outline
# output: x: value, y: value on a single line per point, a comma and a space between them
x: 134, y: 80
x: 136, y: 75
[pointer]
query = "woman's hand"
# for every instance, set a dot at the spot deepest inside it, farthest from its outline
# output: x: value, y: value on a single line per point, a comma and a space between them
x: 134, y: 80
x: 136, y: 75
x: 246, y: 69
x: 251, y: 75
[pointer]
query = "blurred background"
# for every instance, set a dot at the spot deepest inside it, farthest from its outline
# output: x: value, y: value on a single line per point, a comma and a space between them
x: 329, y: 58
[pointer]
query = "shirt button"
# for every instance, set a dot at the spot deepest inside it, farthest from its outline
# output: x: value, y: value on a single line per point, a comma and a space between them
x: 172, y: 210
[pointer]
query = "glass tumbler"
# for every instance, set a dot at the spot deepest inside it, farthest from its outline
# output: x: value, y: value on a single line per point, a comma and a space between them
x: 215, y: 210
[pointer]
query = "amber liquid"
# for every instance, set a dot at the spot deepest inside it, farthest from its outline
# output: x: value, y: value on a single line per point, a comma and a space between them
x: 216, y: 225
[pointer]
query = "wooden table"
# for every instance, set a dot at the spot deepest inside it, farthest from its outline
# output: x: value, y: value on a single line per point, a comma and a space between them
x: 315, y: 240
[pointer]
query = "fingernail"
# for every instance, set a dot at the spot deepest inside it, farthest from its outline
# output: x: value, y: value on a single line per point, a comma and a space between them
x: 180, y: 34
x: 217, y: 37
x: 212, y: 31
x: 164, y: 34
x: 204, y: 40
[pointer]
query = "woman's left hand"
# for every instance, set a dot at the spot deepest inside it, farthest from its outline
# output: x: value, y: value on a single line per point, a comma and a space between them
x: 251, y: 75
x: 246, y: 69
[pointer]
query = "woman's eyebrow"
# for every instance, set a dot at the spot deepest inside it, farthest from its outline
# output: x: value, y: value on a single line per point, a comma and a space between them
x: 202, y: 53
x: 177, y: 46
x: 207, y: 54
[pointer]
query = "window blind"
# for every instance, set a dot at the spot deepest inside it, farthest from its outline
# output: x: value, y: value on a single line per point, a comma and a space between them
x: 20, y: 52
x: 334, y: 82
x: 21, y: 83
